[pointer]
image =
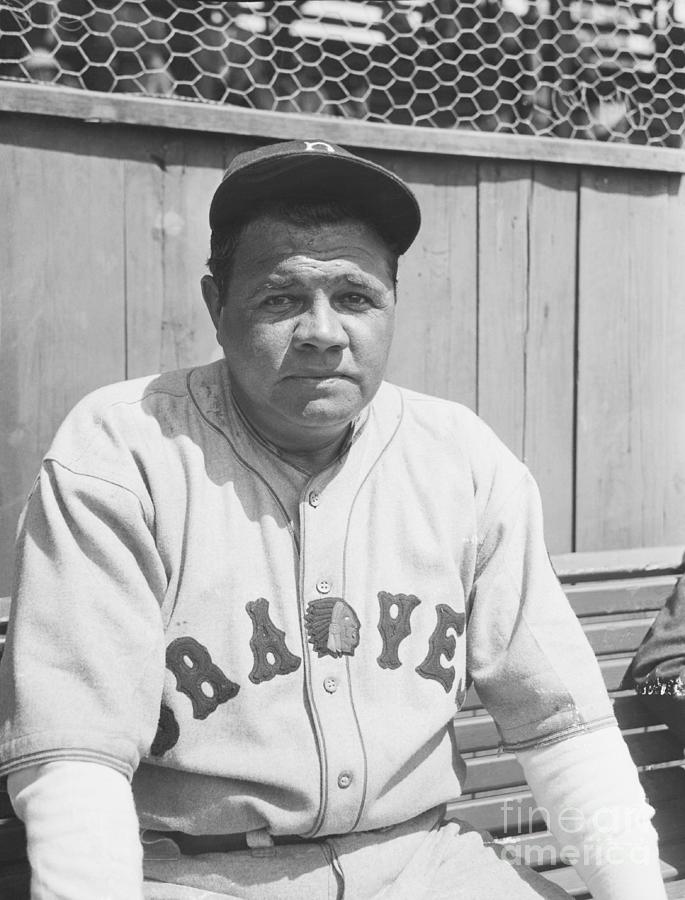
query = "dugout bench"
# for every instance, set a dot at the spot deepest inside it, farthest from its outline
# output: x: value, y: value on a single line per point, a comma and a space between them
x: 616, y: 595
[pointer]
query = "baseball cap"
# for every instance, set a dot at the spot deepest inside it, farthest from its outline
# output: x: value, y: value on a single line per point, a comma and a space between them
x: 316, y: 170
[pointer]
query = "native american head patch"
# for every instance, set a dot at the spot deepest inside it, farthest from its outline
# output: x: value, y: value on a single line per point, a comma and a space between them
x: 332, y: 627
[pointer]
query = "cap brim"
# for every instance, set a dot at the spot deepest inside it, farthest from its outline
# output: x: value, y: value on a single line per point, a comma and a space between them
x: 374, y: 191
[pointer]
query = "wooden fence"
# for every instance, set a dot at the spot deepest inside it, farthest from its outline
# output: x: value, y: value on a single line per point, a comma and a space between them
x: 546, y: 288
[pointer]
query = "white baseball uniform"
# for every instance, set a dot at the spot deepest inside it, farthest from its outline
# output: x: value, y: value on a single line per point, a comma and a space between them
x: 266, y: 649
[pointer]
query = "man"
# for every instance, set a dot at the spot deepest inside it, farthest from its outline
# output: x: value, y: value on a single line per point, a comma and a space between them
x: 260, y: 588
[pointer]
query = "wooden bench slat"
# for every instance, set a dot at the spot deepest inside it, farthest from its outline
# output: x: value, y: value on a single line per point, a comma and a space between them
x: 486, y: 773
x: 478, y: 732
x: 503, y: 813
x: 617, y: 637
x: 567, y: 879
x: 624, y: 596
x: 619, y: 563
x: 516, y: 811
x: 542, y: 850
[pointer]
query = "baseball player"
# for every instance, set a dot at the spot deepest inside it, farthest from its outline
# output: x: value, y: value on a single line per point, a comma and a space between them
x: 250, y: 597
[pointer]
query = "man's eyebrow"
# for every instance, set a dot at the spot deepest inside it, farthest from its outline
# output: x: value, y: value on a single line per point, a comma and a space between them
x: 277, y: 281
x: 272, y: 283
x: 361, y: 280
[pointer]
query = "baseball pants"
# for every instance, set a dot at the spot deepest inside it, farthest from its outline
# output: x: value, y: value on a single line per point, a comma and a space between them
x: 423, y: 859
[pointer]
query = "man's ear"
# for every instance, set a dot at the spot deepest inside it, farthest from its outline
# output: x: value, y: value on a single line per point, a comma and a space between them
x: 210, y: 294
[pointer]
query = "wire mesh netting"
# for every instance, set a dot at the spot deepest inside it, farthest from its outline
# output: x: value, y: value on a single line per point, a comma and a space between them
x: 600, y: 69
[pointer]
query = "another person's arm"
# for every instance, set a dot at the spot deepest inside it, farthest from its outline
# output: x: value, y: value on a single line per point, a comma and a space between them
x: 658, y: 670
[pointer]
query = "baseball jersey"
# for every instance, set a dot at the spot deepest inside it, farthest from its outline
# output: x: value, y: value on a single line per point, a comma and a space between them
x: 256, y: 647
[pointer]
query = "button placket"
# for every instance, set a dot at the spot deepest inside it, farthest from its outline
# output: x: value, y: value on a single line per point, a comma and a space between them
x: 343, y: 749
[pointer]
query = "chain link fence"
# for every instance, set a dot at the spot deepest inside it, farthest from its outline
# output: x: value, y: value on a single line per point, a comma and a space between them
x: 595, y: 69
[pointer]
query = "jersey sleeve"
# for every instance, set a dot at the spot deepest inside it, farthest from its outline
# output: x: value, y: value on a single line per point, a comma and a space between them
x: 527, y: 655
x: 82, y: 672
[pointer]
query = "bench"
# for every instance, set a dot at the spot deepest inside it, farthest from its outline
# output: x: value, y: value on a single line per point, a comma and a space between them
x: 616, y: 595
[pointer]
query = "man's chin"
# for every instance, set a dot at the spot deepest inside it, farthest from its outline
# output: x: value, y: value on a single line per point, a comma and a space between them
x: 328, y: 412
x: 326, y: 402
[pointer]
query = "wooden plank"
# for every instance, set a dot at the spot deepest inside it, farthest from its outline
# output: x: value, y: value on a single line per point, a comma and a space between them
x: 487, y: 773
x: 512, y: 812
x: 61, y: 291
x: 490, y: 773
x: 168, y: 324
x: 619, y: 564
x: 477, y: 733
x: 568, y: 879
x: 503, y: 200
x: 631, y: 406
x: 434, y: 350
x: 614, y: 597
x: 617, y: 637
x: 145, y: 232
x: 515, y: 812
x: 205, y: 117
x: 548, y: 428
x: 541, y: 849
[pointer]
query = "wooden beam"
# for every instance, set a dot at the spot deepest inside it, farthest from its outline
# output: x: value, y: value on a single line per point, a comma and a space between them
x: 52, y: 100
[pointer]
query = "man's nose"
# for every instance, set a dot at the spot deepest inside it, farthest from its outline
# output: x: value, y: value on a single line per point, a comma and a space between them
x: 320, y: 328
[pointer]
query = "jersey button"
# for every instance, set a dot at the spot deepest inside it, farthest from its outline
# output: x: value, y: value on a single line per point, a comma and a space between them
x: 323, y: 586
x: 330, y: 685
x: 344, y: 780
x: 314, y: 498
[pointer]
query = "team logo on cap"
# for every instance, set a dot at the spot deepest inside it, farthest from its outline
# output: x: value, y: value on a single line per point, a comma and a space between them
x: 318, y: 146
x: 332, y: 627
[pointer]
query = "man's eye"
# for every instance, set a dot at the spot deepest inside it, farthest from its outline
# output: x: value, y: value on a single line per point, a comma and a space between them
x: 356, y: 300
x: 279, y: 302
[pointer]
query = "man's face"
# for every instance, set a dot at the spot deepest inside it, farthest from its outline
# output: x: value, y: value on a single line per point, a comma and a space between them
x: 306, y: 326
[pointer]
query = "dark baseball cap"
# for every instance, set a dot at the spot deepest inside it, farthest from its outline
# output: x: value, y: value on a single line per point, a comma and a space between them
x: 316, y: 170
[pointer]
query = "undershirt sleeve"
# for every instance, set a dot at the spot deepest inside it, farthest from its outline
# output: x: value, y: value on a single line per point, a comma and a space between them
x: 588, y: 789
x: 81, y: 831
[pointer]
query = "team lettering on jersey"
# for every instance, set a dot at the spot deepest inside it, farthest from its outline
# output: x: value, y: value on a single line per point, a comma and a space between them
x: 333, y: 628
